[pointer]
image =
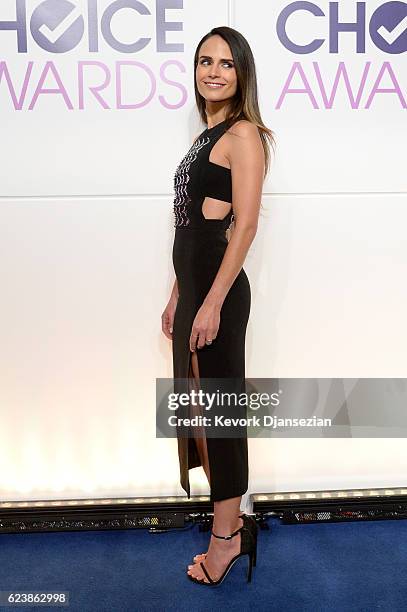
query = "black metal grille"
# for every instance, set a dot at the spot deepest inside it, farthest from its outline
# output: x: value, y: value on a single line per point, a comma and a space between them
x: 398, y: 511
x: 94, y: 521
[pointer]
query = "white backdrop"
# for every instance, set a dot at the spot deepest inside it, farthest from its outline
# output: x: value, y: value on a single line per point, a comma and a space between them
x: 86, y: 233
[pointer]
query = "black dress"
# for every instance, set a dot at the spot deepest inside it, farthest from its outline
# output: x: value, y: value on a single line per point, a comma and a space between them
x: 199, y: 246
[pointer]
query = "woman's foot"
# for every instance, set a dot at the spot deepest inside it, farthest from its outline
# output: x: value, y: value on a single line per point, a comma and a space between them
x: 220, y: 552
x: 202, y: 556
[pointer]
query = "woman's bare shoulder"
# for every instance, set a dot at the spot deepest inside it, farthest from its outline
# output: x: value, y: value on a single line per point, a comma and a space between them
x: 245, y: 144
x: 244, y: 128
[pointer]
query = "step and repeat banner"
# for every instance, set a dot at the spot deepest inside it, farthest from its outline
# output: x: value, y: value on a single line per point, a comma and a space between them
x: 97, y: 108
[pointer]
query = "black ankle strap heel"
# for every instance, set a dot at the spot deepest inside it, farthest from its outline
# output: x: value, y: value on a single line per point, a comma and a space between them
x: 228, y: 537
x: 249, y: 521
x: 247, y: 547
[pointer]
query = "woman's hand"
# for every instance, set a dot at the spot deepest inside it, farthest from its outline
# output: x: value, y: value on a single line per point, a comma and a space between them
x: 167, y: 317
x: 205, y: 326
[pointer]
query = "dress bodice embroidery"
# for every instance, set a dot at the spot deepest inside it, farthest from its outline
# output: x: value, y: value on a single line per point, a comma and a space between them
x: 196, y: 177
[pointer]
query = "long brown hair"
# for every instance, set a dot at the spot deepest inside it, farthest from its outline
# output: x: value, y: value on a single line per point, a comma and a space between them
x: 244, y: 104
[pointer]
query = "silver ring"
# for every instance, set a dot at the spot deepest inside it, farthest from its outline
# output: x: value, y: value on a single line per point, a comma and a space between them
x: 209, y: 342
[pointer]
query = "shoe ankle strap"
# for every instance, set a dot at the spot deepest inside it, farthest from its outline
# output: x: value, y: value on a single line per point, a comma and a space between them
x: 228, y: 537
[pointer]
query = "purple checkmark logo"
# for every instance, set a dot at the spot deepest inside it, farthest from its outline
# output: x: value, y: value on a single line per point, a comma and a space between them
x: 57, y: 25
x: 388, y: 27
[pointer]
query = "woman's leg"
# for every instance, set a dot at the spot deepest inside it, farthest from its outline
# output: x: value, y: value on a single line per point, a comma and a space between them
x: 225, y: 521
x: 200, y: 439
x: 226, y: 515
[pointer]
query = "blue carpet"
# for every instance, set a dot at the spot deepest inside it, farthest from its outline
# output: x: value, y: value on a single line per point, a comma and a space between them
x: 358, y: 566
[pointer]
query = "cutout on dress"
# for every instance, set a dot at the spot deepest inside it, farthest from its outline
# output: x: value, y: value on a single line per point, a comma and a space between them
x: 194, y: 384
x: 199, y: 433
x: 215, y: 209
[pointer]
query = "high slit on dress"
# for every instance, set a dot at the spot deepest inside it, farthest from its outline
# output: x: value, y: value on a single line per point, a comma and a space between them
x: 198, y: 250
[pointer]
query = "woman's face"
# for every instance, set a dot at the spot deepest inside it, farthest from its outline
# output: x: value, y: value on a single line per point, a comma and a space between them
x: 215, y: 65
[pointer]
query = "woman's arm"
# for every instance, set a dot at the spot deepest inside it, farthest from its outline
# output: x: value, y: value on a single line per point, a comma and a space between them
x: 174, y: 292
x: 246, y: 157
x: 167, y: 317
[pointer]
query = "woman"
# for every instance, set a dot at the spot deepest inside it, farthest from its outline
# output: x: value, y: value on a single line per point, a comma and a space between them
x: 219, y: 181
